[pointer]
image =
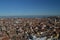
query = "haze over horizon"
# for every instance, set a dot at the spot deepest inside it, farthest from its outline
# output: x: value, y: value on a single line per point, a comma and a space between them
x: 29, y: 7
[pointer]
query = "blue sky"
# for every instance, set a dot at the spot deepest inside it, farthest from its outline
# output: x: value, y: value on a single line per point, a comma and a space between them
x: 29, y: 7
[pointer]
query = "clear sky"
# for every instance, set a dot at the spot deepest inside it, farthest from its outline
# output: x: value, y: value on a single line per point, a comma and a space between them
x: 29, y: 7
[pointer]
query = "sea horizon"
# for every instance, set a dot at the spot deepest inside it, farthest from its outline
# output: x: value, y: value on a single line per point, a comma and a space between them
x: 28, y: 16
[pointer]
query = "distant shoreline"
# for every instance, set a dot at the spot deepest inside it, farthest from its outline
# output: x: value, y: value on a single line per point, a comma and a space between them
x: 28, y: 16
